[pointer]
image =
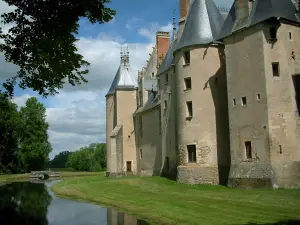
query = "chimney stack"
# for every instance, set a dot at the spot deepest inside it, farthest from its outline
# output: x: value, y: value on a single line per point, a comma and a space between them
x: 162, y: 44
x: 184, y: 8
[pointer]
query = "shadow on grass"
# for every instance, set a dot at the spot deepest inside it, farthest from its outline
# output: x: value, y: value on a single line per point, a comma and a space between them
x: 287, y: 222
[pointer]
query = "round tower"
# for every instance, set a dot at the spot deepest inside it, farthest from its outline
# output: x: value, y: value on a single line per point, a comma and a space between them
x: 201, y: 98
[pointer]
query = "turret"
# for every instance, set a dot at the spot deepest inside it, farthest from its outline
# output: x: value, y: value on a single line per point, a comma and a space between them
x: 201, y: 100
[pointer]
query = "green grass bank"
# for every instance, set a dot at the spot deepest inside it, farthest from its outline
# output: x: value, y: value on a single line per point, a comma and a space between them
x: 165, y: 202
x: 4, y: 179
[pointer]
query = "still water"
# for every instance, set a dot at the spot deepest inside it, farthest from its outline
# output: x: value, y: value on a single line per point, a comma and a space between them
x: 29, y: 203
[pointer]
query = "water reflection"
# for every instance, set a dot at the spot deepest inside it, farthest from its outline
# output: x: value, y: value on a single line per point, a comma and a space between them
x: 34, y: 204
x: 118, y: 218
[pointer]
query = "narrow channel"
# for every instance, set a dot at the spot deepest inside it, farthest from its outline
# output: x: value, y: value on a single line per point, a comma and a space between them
x: 34, y: 203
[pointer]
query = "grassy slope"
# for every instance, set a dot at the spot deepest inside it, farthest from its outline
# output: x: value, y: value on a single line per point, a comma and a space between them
x: 23, y: 177
x: 167, y: 202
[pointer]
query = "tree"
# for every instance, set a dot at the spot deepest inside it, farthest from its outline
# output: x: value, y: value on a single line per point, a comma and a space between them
x: 91, y: 158
x: 60, y: 160
x: 35, y: 147
x: 10, y: 126
x: 42, y: 42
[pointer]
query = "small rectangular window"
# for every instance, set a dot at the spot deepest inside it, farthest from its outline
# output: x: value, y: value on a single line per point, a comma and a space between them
x: 275, y: 69
x: 159, y: 120
x: 188, y: 83
x: 191, y: 153
x: 290, y: 36
x: 258, y: 96
x: 296, y: 81
x: 233, y: 102
x: 187, y: 58
x: 244, y: 101
x: 167, y: 78
x: 165, y: 104
x: 152, y: 74
x: 189, y: 106
x: 248, y: 149
x: 273, y: 33
x: 141, y: 153
x: 280, y: 149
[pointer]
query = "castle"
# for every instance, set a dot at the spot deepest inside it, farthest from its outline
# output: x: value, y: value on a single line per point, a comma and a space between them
x: 217, y: 103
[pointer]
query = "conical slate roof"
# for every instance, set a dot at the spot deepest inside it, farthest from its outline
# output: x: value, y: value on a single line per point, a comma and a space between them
x: 239, y: 17
x: 123, y: 80
x: 203, y: 24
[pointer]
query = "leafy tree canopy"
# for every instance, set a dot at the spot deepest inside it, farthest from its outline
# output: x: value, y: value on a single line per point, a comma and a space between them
x: 91, y: 158
x: 10, y: 127
x: 42, y: 42
x: 60, y: 160
x: 35, y: 147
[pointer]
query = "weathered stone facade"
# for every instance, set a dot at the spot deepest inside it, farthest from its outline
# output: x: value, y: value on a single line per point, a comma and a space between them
x: 217, y: 104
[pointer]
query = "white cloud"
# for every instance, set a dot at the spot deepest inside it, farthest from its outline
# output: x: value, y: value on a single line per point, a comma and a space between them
x: 21, y: 100
x: 133, y: 23
x: 149, y: 31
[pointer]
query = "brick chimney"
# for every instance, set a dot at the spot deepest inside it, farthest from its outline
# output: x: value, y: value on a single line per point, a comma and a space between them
x: 162, y: 43
x: 184, y: 9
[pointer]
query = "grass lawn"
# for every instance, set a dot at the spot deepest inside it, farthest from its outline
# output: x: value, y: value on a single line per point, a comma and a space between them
x: 24, y: 177
x: 166, y: 202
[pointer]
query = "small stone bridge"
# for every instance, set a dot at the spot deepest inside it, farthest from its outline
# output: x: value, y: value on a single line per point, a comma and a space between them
x: 43, y: 175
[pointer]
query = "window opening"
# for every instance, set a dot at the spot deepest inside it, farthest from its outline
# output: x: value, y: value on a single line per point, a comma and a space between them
x: 189, y: 106
x: 244, y: 101
x: 296, y: 81
x: 248, y: 148
x: 188, y: 83
x: 275, y: 69
x: 191, y: 153
x: 187, y: 58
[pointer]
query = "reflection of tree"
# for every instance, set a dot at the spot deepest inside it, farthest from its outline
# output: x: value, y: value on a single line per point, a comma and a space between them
x: 24, y: 203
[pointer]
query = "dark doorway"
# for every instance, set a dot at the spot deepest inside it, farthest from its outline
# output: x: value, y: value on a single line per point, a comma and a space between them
x: 128, y: 166
x: 296, y: 81
x: 167, y: 164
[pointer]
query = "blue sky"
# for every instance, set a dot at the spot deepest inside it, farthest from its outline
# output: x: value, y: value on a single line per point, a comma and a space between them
x: 77, y: 115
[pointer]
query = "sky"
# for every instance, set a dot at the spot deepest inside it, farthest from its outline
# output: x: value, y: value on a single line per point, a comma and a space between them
x: 76, y: 115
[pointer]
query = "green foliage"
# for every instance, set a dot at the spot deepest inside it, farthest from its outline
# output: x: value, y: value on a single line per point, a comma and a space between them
x: 60, y: 160
x: 42, y: 42
x: 10, y: 127
x: 34, y: 145
x: 91, y: 158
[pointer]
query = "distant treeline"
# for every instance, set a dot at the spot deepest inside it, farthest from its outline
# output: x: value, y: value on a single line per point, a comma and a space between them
x: 91, y: 158
x: 24, y: 144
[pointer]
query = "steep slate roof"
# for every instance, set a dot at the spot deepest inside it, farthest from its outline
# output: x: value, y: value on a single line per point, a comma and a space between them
x: 203, y: 24
x: 151, y: 103
x: 123, y: 80
x: 239, y: 18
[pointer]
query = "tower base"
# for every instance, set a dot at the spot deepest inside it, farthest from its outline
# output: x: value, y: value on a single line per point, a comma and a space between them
x: 252, y: 175
x: 287, y: 174
x: 197, y: 175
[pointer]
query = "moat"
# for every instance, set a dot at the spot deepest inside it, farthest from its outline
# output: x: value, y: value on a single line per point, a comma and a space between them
x: 35, y: 204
